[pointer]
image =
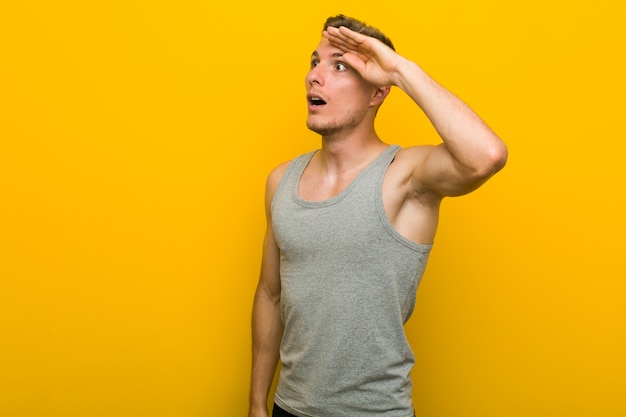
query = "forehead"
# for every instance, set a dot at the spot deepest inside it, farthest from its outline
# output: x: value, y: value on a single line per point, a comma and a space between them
x: 325, y: 50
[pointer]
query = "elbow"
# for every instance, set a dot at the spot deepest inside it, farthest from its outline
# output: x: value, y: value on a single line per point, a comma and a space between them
x: 493, y: 160
x: 497, y: 156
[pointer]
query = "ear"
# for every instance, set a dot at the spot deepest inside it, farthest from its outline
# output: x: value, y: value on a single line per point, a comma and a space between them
x: 379, y: 95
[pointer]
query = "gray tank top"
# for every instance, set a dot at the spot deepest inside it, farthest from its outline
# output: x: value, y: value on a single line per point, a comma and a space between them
x: 348, y: 286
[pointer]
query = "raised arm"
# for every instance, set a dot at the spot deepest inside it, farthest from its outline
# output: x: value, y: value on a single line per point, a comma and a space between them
x: 470, y: 153
x: 267, y: 327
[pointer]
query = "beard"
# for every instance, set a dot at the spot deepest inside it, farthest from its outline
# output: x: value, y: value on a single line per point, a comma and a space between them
x: 334, y: 127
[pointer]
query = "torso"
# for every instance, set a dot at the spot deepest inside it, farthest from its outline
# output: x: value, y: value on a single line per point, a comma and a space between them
x: 347, y: 284
x: 414, y: 216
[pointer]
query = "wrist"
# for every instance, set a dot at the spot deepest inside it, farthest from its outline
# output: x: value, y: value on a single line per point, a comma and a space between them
x: 259, y: 410
x: 407, y: 73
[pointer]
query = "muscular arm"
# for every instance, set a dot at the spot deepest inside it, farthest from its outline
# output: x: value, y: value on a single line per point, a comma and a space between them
x: 470, y: 153
x: 267, y: 328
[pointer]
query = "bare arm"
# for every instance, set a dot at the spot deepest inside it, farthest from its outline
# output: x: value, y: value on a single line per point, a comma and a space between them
x: 471, y: 152
x: 267, y: 327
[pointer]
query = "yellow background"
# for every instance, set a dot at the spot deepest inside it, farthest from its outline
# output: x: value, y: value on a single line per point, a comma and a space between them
x: 135, y: 138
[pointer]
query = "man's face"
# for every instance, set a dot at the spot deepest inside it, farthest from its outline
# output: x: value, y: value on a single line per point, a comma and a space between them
x: 338, y: 97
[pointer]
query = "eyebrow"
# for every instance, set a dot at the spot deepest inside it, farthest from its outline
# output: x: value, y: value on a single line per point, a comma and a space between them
x: 334, y: 55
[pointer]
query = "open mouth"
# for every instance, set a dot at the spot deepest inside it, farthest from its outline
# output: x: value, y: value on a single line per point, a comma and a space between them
x: 316, y: 101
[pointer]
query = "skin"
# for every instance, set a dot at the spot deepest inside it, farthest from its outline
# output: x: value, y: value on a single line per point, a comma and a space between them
x: 353, y: 74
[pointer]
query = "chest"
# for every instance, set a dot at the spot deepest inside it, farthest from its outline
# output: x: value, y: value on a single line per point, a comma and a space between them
x: 316, y: 186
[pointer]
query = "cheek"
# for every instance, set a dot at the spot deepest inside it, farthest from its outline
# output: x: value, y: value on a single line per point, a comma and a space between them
x: 360, y: 89
x: 354, y: 97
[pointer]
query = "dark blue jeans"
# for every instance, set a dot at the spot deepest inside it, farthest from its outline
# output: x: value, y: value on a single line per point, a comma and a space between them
x: 279, y: 412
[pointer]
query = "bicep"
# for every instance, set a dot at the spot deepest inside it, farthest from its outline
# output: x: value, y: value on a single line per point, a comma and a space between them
x: 436, y: 171
x: 269, y: 280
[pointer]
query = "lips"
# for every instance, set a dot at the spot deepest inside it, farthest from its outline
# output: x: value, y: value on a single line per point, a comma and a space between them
x: 315, y: 100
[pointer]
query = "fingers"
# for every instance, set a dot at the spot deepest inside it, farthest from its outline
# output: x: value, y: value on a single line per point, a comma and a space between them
x: 344, y: 38
x: 355, y: 62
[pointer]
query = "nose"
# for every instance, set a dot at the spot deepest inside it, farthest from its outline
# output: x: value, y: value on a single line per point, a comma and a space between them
x: 315, y: 76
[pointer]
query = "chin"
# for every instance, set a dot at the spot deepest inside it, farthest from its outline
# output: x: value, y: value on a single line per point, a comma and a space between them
x: 320, y: 129
x: 336, y: 125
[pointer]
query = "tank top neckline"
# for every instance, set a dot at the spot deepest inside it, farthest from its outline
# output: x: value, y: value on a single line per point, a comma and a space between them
x: 304, y: 163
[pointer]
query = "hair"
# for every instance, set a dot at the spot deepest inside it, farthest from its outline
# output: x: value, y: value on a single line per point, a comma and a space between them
x: 357, y: 26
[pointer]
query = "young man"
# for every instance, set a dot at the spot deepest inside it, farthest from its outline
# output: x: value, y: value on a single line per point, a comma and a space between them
x: 349, y: 230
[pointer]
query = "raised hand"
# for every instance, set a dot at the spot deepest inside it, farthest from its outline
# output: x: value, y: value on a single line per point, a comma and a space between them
x: 372, y: 59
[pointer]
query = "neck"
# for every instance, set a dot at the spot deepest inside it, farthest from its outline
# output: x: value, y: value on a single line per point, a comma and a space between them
x: 341, y: 155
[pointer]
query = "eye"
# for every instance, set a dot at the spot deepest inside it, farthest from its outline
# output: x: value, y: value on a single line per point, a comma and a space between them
x: 314, y: 63
x: 340, y: 66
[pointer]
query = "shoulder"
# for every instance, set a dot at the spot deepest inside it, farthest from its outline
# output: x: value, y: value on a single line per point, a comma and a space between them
x: 408, y: 159
x: 402, y: 173
x: 276, y: 174
x: 413, y: 155
x: 412, y: 211
x: 273, y: 180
